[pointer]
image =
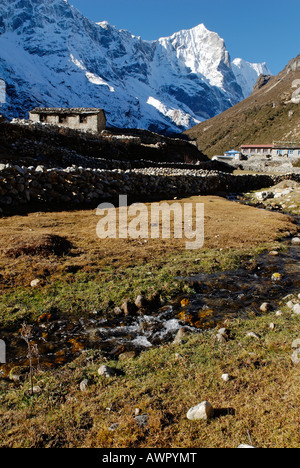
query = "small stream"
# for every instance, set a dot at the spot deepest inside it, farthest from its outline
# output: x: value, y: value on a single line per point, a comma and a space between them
x: 218, y: 296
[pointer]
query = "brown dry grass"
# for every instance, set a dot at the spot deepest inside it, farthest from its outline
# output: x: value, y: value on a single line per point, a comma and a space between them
x: 228, y: 225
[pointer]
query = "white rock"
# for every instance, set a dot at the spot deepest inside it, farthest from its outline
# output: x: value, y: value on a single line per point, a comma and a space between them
x: 37, y: 390
x: 296, y: 309
x: 265, y: 307
x: 296, y: 240
x: 226, y: 377
x: 34, y: 283
x: 107, y: 371
x: 245, y: 446
x: 296, y: 356
x: 253, y: 335
x: 83, y: 385
x: 296, y: 344
x: 202, y: 411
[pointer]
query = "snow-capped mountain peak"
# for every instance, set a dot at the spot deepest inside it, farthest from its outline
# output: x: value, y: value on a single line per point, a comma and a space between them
x: 246, y: 74
x: 51, y: 55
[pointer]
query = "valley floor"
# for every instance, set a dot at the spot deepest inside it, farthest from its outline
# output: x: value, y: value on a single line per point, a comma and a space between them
x: 260, y: 400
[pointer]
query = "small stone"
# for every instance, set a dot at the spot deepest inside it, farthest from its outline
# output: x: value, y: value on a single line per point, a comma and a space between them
x: 276, y: 277
x: 83, y: 385
x: 226, y: 377
x: 223, y: 335
x: 221, y: 338
x: 296, y: 344
x: 296, y: 309
x: 265, y: 307
x: 296, y: 240
x: 107, y: 371
x: 128, y: 308
x: 278, y: 313
x: 142, y: 420
x: 296, y: 356
x: 140, y: 302
x: 274, y: 253
x: 36, y: 390
x: 272, y: 326
x: 180, y: 335
x: 203, y: 411
x: 34, y: 283
x: 290, y: 304
x: 253, y: 335
x: 245, y: 446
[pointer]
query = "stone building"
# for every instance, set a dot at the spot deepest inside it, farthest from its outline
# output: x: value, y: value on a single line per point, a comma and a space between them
x: 86, y: 119
x: 287, y: 149
x: 256, y: 150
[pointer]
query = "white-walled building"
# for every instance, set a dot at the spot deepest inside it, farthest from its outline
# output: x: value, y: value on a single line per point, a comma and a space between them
x: 276, y: 149
x: 87, y: 119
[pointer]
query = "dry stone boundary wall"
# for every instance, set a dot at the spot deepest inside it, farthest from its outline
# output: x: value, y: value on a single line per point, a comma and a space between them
x: 27, y: 188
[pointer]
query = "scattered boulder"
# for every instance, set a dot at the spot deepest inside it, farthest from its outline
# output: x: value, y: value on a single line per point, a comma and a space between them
x: 265, y: 307
x: 142, y: 420
x: 296, y: 343
x: 108, y: 371
x: 180, y: 335
x: 296, y: 309
x: 128, y: 308
x: 202, y: 411
x: 226, y: 377
x: 83, y: 385
x: 253, y: 335
x: 276, y: 277
x: 34, y: 283
x: 141, y: 302
x: 274, y: 253
x: 36, y: 390
x: 223, y: 335
x: 296, y: 356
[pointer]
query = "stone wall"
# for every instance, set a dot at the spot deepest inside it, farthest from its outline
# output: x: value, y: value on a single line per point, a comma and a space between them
x: 28, y: 188
x: 52, y: 146
x: 278, y: 165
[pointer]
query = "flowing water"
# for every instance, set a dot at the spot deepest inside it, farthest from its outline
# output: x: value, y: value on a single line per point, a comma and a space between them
x: 218, y: 296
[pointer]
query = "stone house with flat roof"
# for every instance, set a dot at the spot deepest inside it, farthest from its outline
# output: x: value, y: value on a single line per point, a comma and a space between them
x: 80, y: 118
x: 276, y: 149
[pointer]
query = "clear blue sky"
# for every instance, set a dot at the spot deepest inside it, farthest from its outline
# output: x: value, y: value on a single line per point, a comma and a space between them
x: 256, y: 30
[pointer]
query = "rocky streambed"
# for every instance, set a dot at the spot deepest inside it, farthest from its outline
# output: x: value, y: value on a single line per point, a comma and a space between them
x: 133, y: 328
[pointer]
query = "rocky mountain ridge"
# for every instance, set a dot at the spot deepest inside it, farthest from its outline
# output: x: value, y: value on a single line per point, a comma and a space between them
x: 270, y: 113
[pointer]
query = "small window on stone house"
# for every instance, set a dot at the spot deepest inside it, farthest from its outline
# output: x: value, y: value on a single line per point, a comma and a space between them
x: 43, y: 118
x: 83, y: 119
x: 62, y: 119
